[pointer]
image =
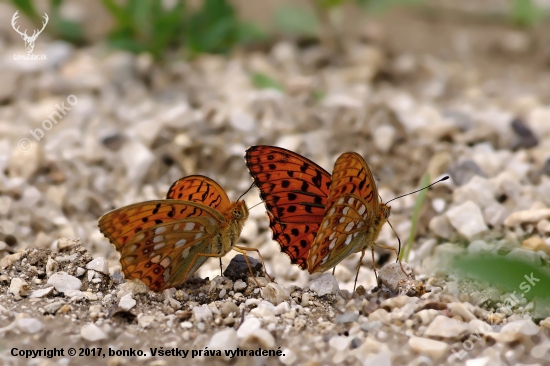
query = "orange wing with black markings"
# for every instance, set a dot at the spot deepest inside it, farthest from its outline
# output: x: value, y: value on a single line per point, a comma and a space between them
x: 201, y: 189
x: 294, y: 190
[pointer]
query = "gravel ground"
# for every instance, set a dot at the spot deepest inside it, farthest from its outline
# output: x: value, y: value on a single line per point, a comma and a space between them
x: 123, y: 128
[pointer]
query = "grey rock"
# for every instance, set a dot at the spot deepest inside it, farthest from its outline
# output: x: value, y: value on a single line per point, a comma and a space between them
x: 324, y: 284
x: 347, y: 318
x: 238, y: 269
x: 461, y: 173
x: 64, y: 282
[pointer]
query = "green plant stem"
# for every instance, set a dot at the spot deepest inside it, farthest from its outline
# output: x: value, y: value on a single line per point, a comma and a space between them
x: 404, y: 255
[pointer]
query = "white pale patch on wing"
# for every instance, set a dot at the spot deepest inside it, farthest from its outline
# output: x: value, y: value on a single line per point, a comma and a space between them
x: 211, y: 221
x: 158, y: 246
x: 185, y: 252
x: 348, y: 239
x: 160, y: 230
x: 176, y: 226
x: 355, y: 234
x: 325, y: 224
x: 361, y: 209
x: 332, y: 235
x: 156, y: 259
x: 166, y: 275
x: 130, y: 259
x: 180, y: 243
x: 189, y: 226
x: 360, y: 224
x: 324, y: 259
x: 332, y: 244
x: 332, y: 210
x: 139, y: 237
x: 351, y: 200
x: 132, y: 248
x: 198, y: 236
x: 340, y: 201
x: 345, y: 210
x: 342, y: 220
x: 158, y: 239
x: 349, y: 226
x: 165, y: 262
x: 314, y: 258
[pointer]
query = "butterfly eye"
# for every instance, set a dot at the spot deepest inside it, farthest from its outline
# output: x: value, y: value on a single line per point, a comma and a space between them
x: 237, y: 214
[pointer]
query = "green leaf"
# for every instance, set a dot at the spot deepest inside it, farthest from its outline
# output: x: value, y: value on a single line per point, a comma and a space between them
x: 263, y: 81
x: 296, y: 21
x: 27, y: 7
x: 526, y: 13
x: 404, y: 255
x: 69, y: 30
x: 517, y: 275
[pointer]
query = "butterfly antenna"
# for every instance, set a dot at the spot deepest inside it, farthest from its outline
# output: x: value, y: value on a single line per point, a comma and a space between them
x: 257, y: 204
x: 398, y: 240
x: 418, y: 190
x: 245, y: 192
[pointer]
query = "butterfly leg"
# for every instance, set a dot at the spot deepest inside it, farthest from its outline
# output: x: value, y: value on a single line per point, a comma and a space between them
x: 197, y: 255
x: 374, y: 264
x: 395, y: 250
x: 333, y: 270
x: 242, y: 249
x: 221, y: 267
x: 358, y: 268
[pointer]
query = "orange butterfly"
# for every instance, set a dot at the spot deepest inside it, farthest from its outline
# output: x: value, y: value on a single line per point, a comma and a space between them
x: 317, y: 219
x: 163, y: 242
x: 353, y: 218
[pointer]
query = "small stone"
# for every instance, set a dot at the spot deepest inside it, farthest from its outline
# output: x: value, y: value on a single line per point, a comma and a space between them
x: 339, y: 343
x: 51, y: 267
x: 445, y: 327
x: 29, y: 325
x: 525, y: 137
x: 282, y: 308
x: 248, y: 326
x: 229, y: 307
x: 146, y: 321
x: 527, y: 216
x: 203, y: 313
x: 53, y: 307
x: 467, y: 220
x: 8, y: 260
x: 239, y: 285
x: 99, y: 264
x: 80, y: 271
x: 426, y: 346
x: 347, y: 318
x: 545, y: 323
x: 127, y: 302
x: 19, y: 288
x: 515, y: 330
x: 64, y: 244
x: 385, y: 136
x: 133, y: 287
x: 238, y: 268
x: 391, y: 275
x: 41, y: 293
x: 288, y: 357
x: 224, y: 340
x: 535, y: 244
x: 462, y: 173
x: 275, y: 293
x: 441, y: 227
x: 324, y: 284
x: 92, y: 333
x: 461, y: 309
x: 261, y: 336
x: 64, y: 282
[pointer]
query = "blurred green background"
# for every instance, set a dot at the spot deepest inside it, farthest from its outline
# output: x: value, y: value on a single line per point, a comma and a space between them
x: 182, y: 28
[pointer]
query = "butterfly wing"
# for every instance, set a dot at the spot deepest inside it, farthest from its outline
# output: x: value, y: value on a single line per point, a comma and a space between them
x: 120, y: 225
x: 201, y: 189
x: 352, y: 211
x: 295, y: 191
x: 165, y: 255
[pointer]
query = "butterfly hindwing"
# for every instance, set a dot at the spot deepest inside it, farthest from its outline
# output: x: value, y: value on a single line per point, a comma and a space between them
x: 165, y: 255
x: 295, y: 191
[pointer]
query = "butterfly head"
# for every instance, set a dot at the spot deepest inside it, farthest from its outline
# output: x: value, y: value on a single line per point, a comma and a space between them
x: 384, y: 210
x: 239, y: 211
